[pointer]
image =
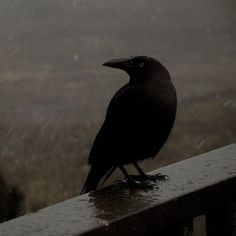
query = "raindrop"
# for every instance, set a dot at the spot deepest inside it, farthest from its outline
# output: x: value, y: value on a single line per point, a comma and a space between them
x: 76, y: 57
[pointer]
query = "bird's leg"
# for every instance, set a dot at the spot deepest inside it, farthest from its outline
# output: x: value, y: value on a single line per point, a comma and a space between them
x: 144, y: 177
x: 130, y: 180
x: 136, y: 181
x: 128, y: 177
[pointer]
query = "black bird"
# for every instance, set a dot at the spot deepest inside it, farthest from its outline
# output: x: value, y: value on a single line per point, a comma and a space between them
x: 138, y: 121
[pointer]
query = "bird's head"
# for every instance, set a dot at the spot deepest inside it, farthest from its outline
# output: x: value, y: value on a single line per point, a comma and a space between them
x: 136, y: 66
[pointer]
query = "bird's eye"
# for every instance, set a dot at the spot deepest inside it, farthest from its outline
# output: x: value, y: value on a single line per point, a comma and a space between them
x: 141, y: 64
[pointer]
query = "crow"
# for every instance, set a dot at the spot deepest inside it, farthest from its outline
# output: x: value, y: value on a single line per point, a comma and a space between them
x: 138, y: 122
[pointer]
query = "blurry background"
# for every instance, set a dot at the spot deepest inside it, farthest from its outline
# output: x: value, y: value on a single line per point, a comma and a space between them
x: 54, y: 91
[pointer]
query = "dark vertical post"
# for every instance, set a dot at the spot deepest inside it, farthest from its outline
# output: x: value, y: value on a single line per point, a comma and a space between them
x: 186, y: 230
x: 221, y: 221
x: 181, y: 230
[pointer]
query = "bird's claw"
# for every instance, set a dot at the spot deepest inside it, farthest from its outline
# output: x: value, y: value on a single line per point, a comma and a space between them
x: 120, y: 182
x: 157, y: 177
x: 148, y: 178
x: 136, y: 184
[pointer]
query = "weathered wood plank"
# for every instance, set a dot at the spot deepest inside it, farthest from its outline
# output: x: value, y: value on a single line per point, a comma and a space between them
x: 195, y: 185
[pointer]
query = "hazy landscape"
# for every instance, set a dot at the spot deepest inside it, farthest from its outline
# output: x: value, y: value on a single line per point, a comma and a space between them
x: 54, y: 91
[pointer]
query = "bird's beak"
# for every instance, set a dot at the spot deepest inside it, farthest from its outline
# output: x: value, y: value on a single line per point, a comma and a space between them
x: 119, y: 63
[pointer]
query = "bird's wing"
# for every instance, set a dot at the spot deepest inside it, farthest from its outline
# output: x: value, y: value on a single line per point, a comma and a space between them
x: 121, y: 125
x: 102, y: 138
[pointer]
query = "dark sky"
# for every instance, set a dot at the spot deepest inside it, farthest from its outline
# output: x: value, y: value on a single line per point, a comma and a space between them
x: 51, y: 51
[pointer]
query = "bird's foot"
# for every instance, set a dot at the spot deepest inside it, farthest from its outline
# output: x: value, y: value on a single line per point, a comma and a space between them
x: 133, y: 182
x: 152, y: 178
x: 144, y: 185
x: 156, y: 177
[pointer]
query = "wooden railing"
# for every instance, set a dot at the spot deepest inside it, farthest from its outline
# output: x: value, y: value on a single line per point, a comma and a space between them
x: 202, y: 185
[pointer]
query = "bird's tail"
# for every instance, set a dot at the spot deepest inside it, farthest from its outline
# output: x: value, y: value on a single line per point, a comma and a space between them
x: 96, y: 174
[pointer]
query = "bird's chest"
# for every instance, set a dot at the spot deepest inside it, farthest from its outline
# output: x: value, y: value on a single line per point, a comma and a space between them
x: 150, y: 109
x: 146, y: 103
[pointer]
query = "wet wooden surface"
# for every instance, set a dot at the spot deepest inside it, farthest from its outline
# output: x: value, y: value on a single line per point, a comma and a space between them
x: 194, y: 185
